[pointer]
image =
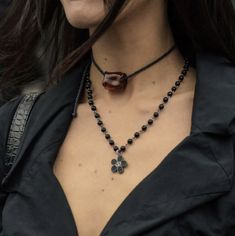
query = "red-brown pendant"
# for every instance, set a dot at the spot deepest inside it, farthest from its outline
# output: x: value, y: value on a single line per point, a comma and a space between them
x: 115, y: 81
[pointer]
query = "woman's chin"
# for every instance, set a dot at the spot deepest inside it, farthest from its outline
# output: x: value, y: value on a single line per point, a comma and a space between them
x: 84, y: 15
x: 84, y: 23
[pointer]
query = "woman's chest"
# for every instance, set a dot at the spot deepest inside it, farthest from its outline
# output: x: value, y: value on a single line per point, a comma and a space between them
x: 83, y: 165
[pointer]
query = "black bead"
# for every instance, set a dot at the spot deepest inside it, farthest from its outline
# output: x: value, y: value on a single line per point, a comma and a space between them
x: 177, y: 83
x: 113, y: 161
x: 137, y: 134
x: 111, y: 142
x: 107, y: 136
x: 181, y: 77
x: 91, y: 102
x: 186, y: 65
x: 99, y: 122
x: 156, y: 114
x: 103, y: 129
x: 89, y: 93
x: 123, y: 148
x: 97, y: 115
x: 88, y: 85
x: 184, y: 72
x: 173, y: 89
x: 150, y: 121
x: 165, y: 99
x: 93, y: 108
x: 89, y: 96
x: 144, y: 127
x: 115, y: 148
x: 130, y: 141
x: 170, y: 94
x: 161, y: 106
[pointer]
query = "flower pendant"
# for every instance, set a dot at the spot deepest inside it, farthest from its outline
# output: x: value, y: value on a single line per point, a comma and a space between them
x: 118, y: 164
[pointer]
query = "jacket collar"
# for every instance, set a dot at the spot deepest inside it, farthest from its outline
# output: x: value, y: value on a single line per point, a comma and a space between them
x: 198, y: 170
x: 214, y: 107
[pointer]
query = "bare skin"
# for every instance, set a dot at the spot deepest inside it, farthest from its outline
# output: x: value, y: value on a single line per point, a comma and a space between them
x: 83, y: 163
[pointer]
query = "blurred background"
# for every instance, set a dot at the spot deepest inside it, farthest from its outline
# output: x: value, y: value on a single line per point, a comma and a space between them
x: 33, y: 86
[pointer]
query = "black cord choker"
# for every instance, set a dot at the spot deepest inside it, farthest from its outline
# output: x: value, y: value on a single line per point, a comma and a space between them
x: 117, y: 81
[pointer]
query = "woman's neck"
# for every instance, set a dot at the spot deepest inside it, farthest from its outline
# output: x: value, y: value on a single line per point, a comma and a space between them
x: 132, y: 42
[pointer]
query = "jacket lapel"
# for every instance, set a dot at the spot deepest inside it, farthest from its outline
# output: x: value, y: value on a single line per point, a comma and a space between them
x: 215, y: 96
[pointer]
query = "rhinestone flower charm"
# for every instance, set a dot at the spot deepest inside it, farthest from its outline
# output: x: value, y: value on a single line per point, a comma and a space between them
x: 118, y: 165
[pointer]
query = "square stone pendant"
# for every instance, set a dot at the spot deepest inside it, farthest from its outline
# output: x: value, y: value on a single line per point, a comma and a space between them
x: 118, y: 165
x: 114, y: 81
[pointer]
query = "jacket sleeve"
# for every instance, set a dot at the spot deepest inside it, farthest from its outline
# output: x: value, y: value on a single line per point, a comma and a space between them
x: 6, y: 114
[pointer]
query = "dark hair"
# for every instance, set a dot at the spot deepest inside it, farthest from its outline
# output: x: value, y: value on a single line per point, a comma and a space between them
x: 33, y: 26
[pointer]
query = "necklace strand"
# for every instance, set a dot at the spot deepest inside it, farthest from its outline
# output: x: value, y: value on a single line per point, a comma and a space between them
x: 141, y: 69
x: 117, y: 81
x: 119, y: 163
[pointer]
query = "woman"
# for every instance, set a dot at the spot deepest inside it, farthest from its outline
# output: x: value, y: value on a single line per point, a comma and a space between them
x: 134, y: 132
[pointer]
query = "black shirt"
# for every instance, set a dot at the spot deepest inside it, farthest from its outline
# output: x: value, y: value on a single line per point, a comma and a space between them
x: 191, y: 192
